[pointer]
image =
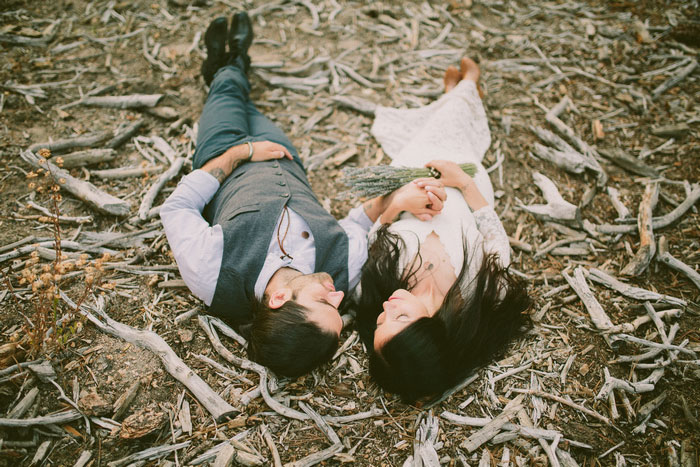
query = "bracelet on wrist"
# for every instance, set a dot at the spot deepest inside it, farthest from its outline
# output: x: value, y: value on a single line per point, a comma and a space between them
x: 250, y: 151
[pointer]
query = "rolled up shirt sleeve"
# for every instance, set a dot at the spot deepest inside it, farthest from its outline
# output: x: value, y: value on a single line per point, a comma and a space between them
x: 197, y: 246
x: 356, y: 225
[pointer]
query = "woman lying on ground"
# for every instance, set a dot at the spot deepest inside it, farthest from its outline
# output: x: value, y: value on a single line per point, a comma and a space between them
x: 437, y: 299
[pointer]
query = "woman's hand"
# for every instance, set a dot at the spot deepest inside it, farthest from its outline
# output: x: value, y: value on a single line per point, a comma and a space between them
x: 424, y: 201
x: 266, y: 150
x: 452, y: 175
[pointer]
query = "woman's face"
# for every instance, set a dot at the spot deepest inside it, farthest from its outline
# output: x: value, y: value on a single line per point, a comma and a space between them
x: 400, y: 310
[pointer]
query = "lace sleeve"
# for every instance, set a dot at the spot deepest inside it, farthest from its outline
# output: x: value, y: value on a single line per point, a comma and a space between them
x: 495, y: 237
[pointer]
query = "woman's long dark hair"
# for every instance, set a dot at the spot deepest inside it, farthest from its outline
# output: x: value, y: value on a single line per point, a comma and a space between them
x: 433, y: 354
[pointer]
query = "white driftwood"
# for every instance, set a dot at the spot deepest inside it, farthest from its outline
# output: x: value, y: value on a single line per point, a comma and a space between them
x: 53, y: 419
x: 635, y: 323
x: 248, y: 365
x: 316, y: 457
x: 587, y: 151
x: 82, y: 141
x: 647, y: 244
x: 228, y: 455
x: 567, y: 161
x: 90, y: 156
x: 82, y: 190
x: 492, y: 428
x: 674, y: 80
x: 426, y: 442
x: 630, y: 291
x: 557, y: 208
x: 657, y: 222
x: 123, y: 133
x: 153, y: 191
x: 664, y: 256
x: 321, y: 423
x: 356, y: 103
x: 595, y: 311
x: 646, y: 385
x: 652, y: 344
x: 48, y: 213
x: 630, y: 163
x: 563, y: 155
x: 522, y: 430
x: 133, y: 101
x: 568, y: 403
x: 622, y: 211
x: 217, y: 407
x: 125, y: 172
x: 149, y: 454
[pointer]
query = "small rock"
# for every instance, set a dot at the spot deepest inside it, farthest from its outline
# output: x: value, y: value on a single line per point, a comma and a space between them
x: 93, y: 404
x: 141, y: 423
x: 185, y: 335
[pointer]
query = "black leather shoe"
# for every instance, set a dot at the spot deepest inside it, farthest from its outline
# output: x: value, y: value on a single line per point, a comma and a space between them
x: 215, y: 41
x: 240, y: 36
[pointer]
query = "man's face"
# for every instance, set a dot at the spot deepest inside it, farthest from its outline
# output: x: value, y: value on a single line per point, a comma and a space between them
x: 316, y: 293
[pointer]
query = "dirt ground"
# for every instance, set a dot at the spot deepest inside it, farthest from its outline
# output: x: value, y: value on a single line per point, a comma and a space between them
x: 607, y: 57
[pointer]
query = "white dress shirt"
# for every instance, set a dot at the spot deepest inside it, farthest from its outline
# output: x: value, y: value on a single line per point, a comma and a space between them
x: 198, y: 247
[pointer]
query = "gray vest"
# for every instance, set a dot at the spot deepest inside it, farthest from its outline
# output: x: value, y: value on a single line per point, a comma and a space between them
x: 247, y: 206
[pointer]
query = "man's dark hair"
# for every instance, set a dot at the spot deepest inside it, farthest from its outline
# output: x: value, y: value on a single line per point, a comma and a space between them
x: 433, y: 354
x: 285, y: 341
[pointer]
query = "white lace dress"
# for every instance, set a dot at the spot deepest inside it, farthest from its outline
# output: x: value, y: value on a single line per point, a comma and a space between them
x: 453, y: 128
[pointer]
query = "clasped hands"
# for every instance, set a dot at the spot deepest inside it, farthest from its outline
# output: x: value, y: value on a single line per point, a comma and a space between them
x: 425, y: 197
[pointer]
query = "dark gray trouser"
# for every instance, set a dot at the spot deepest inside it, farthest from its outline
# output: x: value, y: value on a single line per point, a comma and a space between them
x: 230, y: 118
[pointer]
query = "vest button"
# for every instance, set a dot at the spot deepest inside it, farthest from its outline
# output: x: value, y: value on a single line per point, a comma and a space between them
x: 278, y: 173
x: 285, y: 195
x: 275, y: 165
x: 281, y: 183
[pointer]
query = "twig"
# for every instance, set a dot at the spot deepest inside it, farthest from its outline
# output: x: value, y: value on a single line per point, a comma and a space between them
x: 674, y: 80
x: 492, y: 428
x: 631, y: 291
x: 657, y: 222
x: 595, y: 311
x: 665, y: 257
x: 164, y: 178
x: 647, y: 245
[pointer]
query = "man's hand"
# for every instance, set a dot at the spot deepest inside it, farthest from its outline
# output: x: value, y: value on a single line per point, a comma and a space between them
x: 266, y: 150
x: 424, y: 198
x: 222, y: 166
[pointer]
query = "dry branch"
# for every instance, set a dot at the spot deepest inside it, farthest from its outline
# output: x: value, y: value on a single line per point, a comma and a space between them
x: 53, y: 419
x: 217, y: 407
x: 133, y: 101
x: 91, y: 156
x: 82, y: 190
x: 657, y: 222
x: 631, y: 291
x: 664, y: 256
x: 492, y: 428
x: 164, y: 178
x: 624, y: 160
x: 647, y: 245
x: 557, y: 208
x: 674, y: 80
x: 578, y: 283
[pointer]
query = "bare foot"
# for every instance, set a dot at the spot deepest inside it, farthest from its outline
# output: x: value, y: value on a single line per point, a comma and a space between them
x: 470, y: 70
x: 452, y: 77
